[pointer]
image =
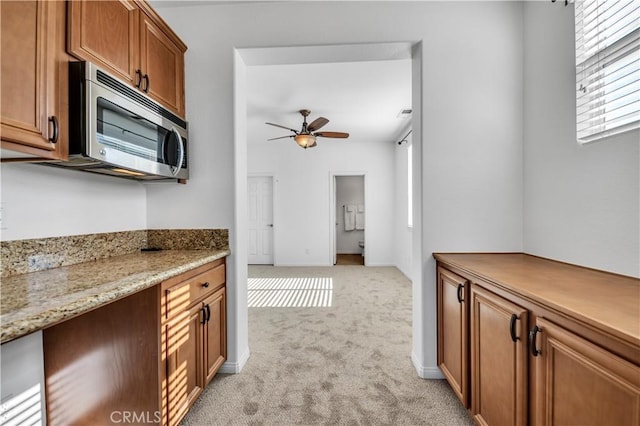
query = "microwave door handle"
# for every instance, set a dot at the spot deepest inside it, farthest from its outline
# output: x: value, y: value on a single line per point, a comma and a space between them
x: 176, y: 170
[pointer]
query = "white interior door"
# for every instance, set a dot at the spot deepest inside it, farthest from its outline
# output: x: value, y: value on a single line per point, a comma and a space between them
x: 334, y: 220
x: 260, y: 218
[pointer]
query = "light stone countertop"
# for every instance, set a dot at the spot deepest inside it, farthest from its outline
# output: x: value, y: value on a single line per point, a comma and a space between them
x: 37, y: 300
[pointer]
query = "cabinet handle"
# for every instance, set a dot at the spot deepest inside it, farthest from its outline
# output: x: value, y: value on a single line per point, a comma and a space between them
x: 208, y: 312
x: 532, y: 340
x: 139, y: 75
x: 512, y: 327
x: 205, y: 285
x: 146, y: 86
x: 460, y: 287
x: 56, y: 129
x: 204, y: 315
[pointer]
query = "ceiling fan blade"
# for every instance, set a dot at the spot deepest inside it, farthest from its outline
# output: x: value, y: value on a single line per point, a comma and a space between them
x: 317, y: 123
x: 281, y: 137
x: 282, y: 127
x: 341, y: 135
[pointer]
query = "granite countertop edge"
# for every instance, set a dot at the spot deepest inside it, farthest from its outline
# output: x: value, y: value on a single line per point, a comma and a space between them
x: 20, y: 323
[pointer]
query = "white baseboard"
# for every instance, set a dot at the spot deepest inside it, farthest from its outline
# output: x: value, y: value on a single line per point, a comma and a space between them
x: 235, y: 367
x: 425, y: 372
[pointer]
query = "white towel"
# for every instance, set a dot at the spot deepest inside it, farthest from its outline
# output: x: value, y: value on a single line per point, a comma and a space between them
x: 349, y: 217
x: 360, y: 217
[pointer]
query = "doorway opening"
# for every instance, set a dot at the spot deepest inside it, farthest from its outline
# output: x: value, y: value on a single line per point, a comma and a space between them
x: 244, y: 165
x: 349, y: 229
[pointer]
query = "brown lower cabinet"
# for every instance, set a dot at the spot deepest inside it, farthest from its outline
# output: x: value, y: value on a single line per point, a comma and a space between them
x: 538, y: 351
x: 453, y: 353
x: 141, y: 359
x: 195, y: 336
x: 215, y: 341
x: 580, y: 383
x: 498, y: 360
x: 184, y: 349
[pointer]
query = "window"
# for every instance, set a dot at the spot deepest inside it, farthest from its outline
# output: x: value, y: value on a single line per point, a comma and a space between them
x: 607, y: 67
x: 410, y: 186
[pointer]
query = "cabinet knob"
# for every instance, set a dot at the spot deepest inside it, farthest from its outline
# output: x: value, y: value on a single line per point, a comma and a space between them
x: 533, y: 334
x: 205, y: 285
x: 56, y: 129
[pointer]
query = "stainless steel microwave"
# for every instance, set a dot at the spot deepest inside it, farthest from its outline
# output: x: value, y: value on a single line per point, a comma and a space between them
x: 119, y: 131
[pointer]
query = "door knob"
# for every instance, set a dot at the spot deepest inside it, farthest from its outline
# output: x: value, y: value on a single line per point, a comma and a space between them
x: 270, y: 225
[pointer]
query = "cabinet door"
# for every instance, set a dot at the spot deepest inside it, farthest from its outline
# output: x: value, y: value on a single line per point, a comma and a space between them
x: 29, y: 75
x: 453, y: 335
x: 579, y: 383
x: 184, y: 361
x: 106, y: 33
x: 498, y: 360
x: 215, y: 334
x: 162, y: 62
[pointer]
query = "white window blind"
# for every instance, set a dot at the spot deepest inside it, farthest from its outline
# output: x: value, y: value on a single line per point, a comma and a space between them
x: 607, y: 67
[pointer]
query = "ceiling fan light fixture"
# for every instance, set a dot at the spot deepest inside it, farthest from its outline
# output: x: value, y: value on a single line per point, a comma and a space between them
x: 305, y: 141
x: 306, y: 137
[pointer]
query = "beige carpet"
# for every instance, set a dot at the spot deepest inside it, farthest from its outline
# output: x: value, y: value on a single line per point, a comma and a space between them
x: 347, y: 364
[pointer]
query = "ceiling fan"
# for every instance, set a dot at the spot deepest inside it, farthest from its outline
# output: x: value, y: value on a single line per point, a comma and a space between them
x: 306, y: 137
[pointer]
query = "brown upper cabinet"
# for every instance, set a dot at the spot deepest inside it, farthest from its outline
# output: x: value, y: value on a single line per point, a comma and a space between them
x: 124, y: 37
x: 131, y: 41
x: 34, y: 80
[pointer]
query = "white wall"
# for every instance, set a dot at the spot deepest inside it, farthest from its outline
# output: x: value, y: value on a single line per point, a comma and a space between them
x: 302, y: 221
x: 40, y: 202
x: 469, y: 113
x: 471, y: 133
x: 403, y: 235
x: 581, y: 201
x: 349, y: 191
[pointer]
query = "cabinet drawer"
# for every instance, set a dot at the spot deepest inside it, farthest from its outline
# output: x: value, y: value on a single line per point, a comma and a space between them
x: 183, y: 295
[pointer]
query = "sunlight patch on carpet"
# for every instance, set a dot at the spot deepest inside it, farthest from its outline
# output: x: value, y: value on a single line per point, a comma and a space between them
x: 290, y: 292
